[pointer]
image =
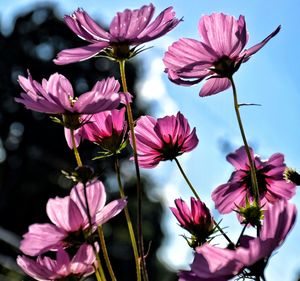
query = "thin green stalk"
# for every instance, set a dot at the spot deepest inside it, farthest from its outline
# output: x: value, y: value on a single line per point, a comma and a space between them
x: 76, y: 153
x: 186, y: 179
x: 138, y: 176
x: 128, y: 220
x: 252, y: 166
x: 100, y: 268
x: 105, y: 253
x: 198, y: 197
x: 99, y: 271
x: 242, y: 233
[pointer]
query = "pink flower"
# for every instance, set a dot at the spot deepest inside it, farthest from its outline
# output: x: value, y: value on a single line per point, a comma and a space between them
x: 251, y: 257
x: 70, y: 220
x: 163, y: 139
x: 272, y: 186
x: 128, y: 28
x: 217, y: 56
x: 107, y: 129
x: 45, y: 268
x: 55, y: 96
x: 198, y: 221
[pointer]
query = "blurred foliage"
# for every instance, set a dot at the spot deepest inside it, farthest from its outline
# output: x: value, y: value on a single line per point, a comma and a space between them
x: 33, y: 149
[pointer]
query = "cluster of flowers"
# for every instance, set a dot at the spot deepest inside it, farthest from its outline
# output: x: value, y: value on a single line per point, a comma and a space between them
x: 256, y: 190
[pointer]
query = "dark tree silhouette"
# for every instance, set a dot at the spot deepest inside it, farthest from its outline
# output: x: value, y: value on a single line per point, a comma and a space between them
x: 33, y: 149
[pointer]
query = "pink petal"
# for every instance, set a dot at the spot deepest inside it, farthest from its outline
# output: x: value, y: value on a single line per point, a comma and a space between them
x: 213, y: 86
x: 34, y: 269
x: 87, y: 24
x: 41, y: 238
x: 82, y: 262
x: 163, y: 23
x: 77, y: 135
x: 247, y: 53
x: 109, y: 211
x: 213, y: 262
x: 79, y: 54
x: 239, y: 158
x: 223, y: 33
x: 64, y: 213
x: 227, y: 196
x: 127, y: 25
x: 103, y: 96
x: 96, y: 196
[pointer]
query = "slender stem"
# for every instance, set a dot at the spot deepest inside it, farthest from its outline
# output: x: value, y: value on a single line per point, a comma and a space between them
x: 98, y: 277
x: 100, y: 268
x: 105, y: 253
x: 198, y: 197
x: 128, y: 220
x: 252, y: 166
x: 76, y: 153
x: 242, y: 233
x: 186, y: 179
x: 138, y: 176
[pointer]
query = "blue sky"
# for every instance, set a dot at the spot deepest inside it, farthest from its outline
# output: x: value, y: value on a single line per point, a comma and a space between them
x: 270, y: 78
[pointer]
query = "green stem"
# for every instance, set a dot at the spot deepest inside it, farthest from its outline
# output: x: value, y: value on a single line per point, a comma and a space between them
x: 198, y: 197
x: 99, y: 271
x: 105, y: 253
x: 128, y: 220
x: 76, y: 153
x: 138, y: 176
x: 100, y: 268
x: 186, y: 179
x: 251, y: 163
x: 242, y: 233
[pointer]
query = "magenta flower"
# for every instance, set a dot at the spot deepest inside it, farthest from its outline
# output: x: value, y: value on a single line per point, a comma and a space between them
x: 56, y: 96
x: 197, y: 220
x: 107, y: 129
x: 128, y: 28
x: 251, y: 256
x: 45, y: 268
x: 70, y: 219
x: 272, y: 186
x: 216, y: 57
x: 163, y: 139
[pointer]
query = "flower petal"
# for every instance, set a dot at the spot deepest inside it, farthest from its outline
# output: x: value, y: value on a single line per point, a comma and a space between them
x: 213, y: 86
x: 79, y: 54
x: 41, y: 238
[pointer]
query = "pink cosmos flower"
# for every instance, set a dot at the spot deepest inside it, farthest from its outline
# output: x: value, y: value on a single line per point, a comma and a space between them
x: 272, y: 186
x: 55, y: 96
x: 107, y: 129
x: 216, y: 57
x: 70, y: 220
x: 128, y: 28
x: 45, y: 268
x: 197, y: 220
x: 163, y: 139
x: 251, y: 256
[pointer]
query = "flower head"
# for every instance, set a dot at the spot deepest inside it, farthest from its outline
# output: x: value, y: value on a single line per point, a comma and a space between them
x: 197, y: 220
x: 216, y: 57
x: 45, y: 268
x: 128, y: 28
x: 271, y: 184
x: 107, y: 129
x: 55, y: 96
x: 70, y: 223
x: 251, y: 257
x: 163, y: 139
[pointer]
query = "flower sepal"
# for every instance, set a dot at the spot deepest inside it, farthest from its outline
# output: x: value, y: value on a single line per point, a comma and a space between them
x: 251, y: 214
x: 82, y: 174
x: 291, y: 175
x: 121, y: 51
